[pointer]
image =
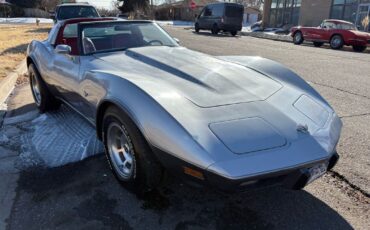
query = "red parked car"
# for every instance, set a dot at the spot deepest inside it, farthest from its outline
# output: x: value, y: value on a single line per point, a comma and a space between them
x: 335, y: 32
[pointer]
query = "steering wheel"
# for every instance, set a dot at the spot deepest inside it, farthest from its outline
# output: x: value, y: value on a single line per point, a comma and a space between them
x: 155, y: 41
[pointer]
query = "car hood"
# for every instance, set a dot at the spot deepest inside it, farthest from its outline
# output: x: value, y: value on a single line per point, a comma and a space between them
x: 204, y: 80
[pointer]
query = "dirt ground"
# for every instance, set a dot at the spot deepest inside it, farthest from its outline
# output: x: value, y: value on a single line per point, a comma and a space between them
x: 14, y: 40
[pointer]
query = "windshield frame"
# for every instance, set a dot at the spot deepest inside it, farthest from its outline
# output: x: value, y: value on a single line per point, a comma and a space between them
x: 81, y: 26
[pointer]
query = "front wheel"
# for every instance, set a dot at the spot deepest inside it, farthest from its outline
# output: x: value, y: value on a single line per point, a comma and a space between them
x: 215, y: 29
x: 318, y: 44
x: 196, y: 27
x: 336, y: 42
x: 298, y: 38
x: 233, y: 33
x: 359, y: 48
x: 44, y: 100
x: 129, y: 155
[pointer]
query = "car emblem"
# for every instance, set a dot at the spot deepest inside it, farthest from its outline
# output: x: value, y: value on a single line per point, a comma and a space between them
x: 302, y: 128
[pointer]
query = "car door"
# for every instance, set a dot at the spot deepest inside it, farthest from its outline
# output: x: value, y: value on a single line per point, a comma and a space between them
x: 323, y: 32
x: 66, y: 66
x: 201, y: 19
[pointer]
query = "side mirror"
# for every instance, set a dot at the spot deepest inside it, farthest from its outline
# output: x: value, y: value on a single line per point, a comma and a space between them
x: 177, y: 40
x: 63, y: 49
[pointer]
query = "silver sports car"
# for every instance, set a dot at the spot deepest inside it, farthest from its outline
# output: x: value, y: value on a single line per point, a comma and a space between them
x: 231, y: 122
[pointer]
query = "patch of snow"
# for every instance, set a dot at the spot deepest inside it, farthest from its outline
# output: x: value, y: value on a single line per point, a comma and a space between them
x: 58, y: 138
x: 175, y: 23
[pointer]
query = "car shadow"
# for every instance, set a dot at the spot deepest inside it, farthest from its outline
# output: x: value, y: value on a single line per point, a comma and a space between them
x: 86, y: 194
x: 15, y: 49
x: 219, y: 35
x: 39, y: 30
x: 327, y: 46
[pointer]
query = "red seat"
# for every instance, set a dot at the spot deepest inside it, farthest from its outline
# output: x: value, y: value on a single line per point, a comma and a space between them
x: 72, y: 42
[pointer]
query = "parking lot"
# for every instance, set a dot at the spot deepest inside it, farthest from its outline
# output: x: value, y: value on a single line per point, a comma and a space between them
x: 85, y: 195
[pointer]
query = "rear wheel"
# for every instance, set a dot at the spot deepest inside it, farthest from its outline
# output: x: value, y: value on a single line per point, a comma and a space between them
x: 44, y: 100
x: 298, y: 38
x: 359, y: 48
x: 196, y: 27
x: 318, y: 44
x: 215, y: 29
x: 129, y: 155
x: 336, y: 42
x: 233, y: 33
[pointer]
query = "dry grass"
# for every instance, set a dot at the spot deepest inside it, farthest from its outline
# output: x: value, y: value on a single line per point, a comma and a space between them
x: 14, y: 40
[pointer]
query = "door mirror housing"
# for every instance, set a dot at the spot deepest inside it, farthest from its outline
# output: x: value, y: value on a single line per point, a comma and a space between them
x: 63, y: 49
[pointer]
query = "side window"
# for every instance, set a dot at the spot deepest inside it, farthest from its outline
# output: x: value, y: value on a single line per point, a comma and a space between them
x: 208, y: 11
x: 218, y: 10
x: 70, y: 31
x: 329, y: 25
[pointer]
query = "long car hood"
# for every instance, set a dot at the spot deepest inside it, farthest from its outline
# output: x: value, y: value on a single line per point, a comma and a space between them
x: 204, y: 80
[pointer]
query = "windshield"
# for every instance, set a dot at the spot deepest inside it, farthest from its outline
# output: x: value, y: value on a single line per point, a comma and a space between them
x: 67, y: 12
x: 113, y: 36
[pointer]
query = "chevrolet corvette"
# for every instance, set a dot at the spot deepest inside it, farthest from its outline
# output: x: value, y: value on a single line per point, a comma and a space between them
x: 229, y: 122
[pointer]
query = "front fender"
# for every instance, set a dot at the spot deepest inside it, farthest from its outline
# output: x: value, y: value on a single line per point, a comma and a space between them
x: 159, y: 128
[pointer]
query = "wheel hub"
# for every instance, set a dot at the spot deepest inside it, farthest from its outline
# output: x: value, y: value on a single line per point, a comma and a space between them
x: 35, y: 89
x: 120, y: 151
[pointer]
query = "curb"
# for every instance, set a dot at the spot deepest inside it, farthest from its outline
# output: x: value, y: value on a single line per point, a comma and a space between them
x: 7, y: 84
x: 281, y: 38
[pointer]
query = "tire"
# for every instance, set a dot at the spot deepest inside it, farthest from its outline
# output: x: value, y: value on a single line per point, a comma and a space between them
x: 359, y: 48
x: 215, y: 29
x: 233, y: 33
x: 44, y: 100
x: 298, y: 38
x: 145, y: 172
x: 336, y: 42
x: 318, y: 44
x: 196, y: 27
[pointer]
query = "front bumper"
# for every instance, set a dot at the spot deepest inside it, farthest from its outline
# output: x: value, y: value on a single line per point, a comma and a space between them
x: 294, y: 178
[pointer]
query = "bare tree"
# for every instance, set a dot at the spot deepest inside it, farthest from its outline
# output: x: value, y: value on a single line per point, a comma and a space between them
x: 48, y: 5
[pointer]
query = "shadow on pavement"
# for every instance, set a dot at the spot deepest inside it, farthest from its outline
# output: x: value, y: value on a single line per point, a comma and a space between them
x: 327, y: 46
x: 219, y: 35
x: 15, y: 49
x: 39, y: 30
x: 86, y: 195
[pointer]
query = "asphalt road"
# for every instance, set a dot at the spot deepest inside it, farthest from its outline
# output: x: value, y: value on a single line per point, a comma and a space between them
x: 84, y: 195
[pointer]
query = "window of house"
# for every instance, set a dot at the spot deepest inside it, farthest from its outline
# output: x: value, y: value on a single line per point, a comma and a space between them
x: 344, y: 10
x: 284, y: 12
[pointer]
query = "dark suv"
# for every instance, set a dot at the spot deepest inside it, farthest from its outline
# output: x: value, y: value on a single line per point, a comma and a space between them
x: 73, y: 10
x: 220, y: 16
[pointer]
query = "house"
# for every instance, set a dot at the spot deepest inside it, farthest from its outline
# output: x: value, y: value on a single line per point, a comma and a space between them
x: 180, y: 10
x: 279, y: 13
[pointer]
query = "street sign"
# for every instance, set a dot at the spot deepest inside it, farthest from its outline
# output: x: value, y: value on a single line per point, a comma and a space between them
x: 193, y: 5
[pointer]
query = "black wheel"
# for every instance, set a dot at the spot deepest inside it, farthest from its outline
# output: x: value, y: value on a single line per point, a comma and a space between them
x: 44, y: 100
x: 215, y: 29
x: 298, y: 38
x: 233, y: 33
x: 336, y: 42
x: 196, y: 27
x: 318, y: 44
x: 129, y: 155
x: 359, y: 48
